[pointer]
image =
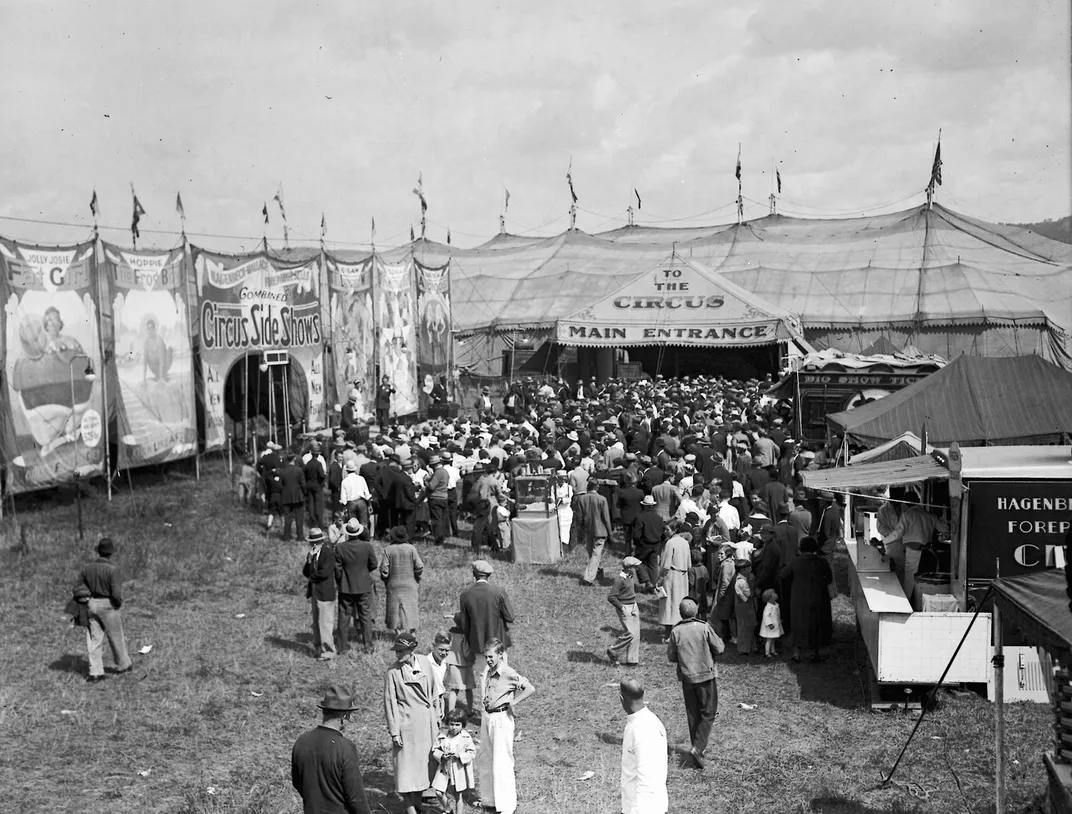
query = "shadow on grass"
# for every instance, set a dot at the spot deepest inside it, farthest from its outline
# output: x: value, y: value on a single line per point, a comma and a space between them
x: 825, y: 681
x: 652, y: 635
x: 836, y: 804
x: 584, y: 657
x: 296, y: 645
x: 70, y: 663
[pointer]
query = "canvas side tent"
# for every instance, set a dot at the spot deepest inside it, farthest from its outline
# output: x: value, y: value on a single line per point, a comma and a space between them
x: 974, y: 401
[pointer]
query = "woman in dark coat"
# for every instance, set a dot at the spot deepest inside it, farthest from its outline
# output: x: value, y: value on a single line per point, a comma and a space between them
x: 809, y: 608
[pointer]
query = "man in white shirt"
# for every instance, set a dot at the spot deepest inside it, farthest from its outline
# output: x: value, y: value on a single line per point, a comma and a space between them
x: 730, y: 516
x: 354, y: 495
x: 644, y: 755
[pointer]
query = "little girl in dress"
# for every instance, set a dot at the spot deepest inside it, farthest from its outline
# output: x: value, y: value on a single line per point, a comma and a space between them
x: 770, y: 629
x: 454, y: 751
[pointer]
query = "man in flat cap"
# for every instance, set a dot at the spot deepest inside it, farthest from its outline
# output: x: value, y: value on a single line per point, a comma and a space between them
x: 487, y: 612
x: 324, y: 768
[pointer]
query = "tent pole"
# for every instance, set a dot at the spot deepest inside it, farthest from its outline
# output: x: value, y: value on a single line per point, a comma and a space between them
x: 999, y: 706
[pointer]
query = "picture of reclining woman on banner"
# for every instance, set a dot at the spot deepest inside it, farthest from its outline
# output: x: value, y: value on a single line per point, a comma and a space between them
x: 51, y: 342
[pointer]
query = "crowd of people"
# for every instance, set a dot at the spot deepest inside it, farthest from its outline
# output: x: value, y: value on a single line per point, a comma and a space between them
x: 696, y: 483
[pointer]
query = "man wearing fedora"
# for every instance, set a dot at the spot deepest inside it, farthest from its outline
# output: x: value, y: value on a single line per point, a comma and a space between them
x: 348, y: 418
x: 484, y: 407
x: 647, y: 540
x: 324, y: 768
x: 355, y: 563
x: 105, y: 600
x: 436, y: 488
x: 293, y: 496
x: 319, y: 570
x: 383, y: 402
x: 354, y: 494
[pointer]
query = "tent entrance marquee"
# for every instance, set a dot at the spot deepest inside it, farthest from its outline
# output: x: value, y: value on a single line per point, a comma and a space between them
x: 678, y: 302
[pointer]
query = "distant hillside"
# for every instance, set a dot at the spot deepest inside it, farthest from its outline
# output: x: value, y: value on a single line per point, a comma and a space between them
x: 1060, y: 229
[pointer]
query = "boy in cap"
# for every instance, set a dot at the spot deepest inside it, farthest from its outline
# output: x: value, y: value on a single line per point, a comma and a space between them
x: 626, y: 650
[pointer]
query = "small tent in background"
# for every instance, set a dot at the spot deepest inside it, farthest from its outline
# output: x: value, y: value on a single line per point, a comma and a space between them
x: 973, y: 400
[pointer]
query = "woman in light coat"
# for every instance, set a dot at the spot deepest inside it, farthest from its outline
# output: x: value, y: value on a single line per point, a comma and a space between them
x: 410, y: 693
x: 674, y: 567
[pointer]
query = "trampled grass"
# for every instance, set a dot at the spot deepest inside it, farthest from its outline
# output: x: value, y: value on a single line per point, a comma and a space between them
x: 205, y: 722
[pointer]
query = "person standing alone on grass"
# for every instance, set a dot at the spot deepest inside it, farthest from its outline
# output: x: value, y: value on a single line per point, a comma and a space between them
x: 504, y: 689
x: 643, y: 783
x: 626, y: 650
x: 319, y: 570
x: 693, y: 647
x: 105, y: 600
x: 355, y: 563
x: 486, y: 612
x: 324, y: 768
x: 591, y: 516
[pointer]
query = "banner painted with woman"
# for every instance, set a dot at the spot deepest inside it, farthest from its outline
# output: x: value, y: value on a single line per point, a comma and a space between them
x: 52, y: 423
x: 149, y: 335
x: 433, y: 326
x: 353, y: 333
x: 263, y: 308
x: 396, y: 319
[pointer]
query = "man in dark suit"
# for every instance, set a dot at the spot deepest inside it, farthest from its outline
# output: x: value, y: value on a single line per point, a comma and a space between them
x: 292, y: 496
x: 591, y: 516
x: 335, y: 475
x: 319, y: 570
x: 315, y: 478
x: 372, y: 471
x: 629, y: 498
x: 324, y: 768
x: 647, y: 544
x: 349, y: 414
x: 355, y: 562
x: 383, y: 403
x: 786, y: 538
x: 486, y: 612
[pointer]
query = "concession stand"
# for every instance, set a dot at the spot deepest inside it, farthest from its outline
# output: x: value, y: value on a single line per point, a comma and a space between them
x: 1007, y: 510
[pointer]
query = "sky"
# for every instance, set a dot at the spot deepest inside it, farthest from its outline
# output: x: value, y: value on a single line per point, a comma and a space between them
x: 345, y: 105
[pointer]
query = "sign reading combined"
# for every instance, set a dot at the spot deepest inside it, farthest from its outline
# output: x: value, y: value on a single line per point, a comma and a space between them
x: 675, y: 304
x: 52, y: 426
x: 250, y: 304
x: 1022, y: 523
x: 147, y: 293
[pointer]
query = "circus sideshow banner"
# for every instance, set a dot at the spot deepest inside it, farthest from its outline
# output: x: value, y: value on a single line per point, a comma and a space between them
x: 248, y: 305
x: 396, y: 318
x: 433, y: 326
x: 150, y: 332
x: 353, y: 332
x: 53, y: 427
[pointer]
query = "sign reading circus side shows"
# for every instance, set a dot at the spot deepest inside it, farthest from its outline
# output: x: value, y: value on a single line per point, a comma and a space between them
x: 677, y: 303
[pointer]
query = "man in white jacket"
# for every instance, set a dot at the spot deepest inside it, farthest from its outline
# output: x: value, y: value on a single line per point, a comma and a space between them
x: 644, y: 755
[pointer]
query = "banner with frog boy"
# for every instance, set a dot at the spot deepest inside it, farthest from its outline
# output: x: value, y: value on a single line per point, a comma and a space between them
x: 248, y: 305
x: 150, y: 335
x: 52, y: 425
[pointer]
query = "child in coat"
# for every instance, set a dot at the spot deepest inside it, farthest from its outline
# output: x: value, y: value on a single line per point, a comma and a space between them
x: 454, y: 753
x: 770, y: 629
x: 698, y: 580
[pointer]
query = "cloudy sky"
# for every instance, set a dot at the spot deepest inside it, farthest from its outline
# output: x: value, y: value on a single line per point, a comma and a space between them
x: 345, y: 103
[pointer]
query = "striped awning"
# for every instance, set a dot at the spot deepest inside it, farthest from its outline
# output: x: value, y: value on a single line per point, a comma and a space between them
x: 884, y: 473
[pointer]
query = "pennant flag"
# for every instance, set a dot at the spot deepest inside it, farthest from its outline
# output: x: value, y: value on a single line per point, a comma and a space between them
x: 569, y: 178
x: 738, y: 172
x: 637, y: 197
x: 264, y: 211
x: 936, y: 167
x: 279, y: 200
x: 94, y: 207
x: 778, y: 178
x: 178, y: 206
x: 507, y: 207
x: 323, y: 226
x: 138, y: 212
x: 419, y: 192
x: 448, y: 237
x: 411, y: 236
x: 373, y: 228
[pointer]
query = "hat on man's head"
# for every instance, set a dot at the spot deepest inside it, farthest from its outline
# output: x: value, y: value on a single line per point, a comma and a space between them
x: 404, y: 641
x: 630, y: 562
x: 272, y: 445
x: 647, y: 501
x: 353, y: 527
x: 351, y: 466
x: 338, y: 700
x: 572, y: 435
x: 399, y: 534
x: 354, y: 395
x: 105, y: 547
x: 533, y: 454
x: 483, y: 568
x: 315, y: 535
x: 485, y: 389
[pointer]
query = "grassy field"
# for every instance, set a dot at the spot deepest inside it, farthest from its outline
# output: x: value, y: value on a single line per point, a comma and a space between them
x: 205, y: 722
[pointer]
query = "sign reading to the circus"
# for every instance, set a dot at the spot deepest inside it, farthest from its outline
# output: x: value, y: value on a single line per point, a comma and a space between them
x: 676, y: 303
x: 53, y: 426
x: 247, y: 305
x: 147, y: 295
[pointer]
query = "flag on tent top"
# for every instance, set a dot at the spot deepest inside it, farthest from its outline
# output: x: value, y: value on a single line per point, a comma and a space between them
x: 279, y: 200
x: 136, y: 217
x: 94, y: 207
x: 507, y: 206
x: 778, y: 178
x: 936, y: 167
x: 448, y: 237
x: 738, y: 171
x: 419, y: 192
x: 323, y: 226
x: 264, y: 211
x: 179, y: 207
x: 411, y: 235
x: 637, y: 197
x: 373, y: 228
x: 569, y: 179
